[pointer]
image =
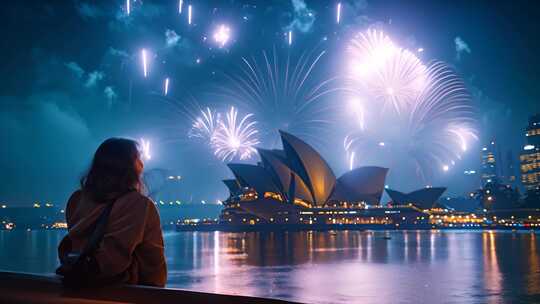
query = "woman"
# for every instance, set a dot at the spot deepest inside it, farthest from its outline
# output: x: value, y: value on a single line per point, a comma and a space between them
x: 131, y: 250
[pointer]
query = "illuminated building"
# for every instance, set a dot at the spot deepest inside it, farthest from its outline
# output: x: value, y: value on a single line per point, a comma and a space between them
x: 510, y: 169
x: 488, y: 169
x: 424, y: 199
x: 296, y: 186
x: 530, y: 155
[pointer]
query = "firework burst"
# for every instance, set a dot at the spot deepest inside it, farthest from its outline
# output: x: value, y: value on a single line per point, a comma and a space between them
x: 388, y: 74
x: 432, y: 122
x: 235, y: 137
x: 285, y: 94
x: 204, y: 126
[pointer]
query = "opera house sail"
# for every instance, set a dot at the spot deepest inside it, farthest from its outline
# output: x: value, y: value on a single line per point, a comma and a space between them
x: 297, y: 186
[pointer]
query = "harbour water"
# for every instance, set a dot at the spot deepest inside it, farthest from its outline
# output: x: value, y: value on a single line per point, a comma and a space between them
x: 332, y: 267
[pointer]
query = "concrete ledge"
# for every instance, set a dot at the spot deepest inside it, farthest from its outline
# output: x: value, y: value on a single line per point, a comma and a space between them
x: 31, y: 288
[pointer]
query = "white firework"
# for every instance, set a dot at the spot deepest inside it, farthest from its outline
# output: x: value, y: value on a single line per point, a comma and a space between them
x: 384, y: 72
x: 222, y: 35
x: 145, y: 149
x: 235, y: 137
x: 204, y: 127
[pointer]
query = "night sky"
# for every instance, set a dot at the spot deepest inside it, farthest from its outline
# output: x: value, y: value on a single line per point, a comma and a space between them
x: 71, y: 77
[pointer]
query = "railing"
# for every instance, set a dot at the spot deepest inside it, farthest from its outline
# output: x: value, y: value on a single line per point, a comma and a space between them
x: 31, y: 288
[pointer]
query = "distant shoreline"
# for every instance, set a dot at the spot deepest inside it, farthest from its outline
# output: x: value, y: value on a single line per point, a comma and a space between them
x: 334, y: 227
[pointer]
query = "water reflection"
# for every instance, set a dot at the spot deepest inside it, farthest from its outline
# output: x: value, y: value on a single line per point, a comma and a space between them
x: 322, y: 267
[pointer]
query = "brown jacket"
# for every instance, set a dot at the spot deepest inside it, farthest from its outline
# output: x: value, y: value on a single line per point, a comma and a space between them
x: 132, y: 246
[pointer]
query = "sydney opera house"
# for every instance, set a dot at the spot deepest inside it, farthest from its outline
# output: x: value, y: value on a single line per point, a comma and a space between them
x: 296, y: 186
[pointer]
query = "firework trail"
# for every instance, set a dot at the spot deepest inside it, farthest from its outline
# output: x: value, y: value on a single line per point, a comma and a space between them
x: 166, y: 87
x: 189, y: 14
x: 128, y: 7
x: 338, y: 13
x: 235, y: 138
x: 144, y: 62
x: 289, y: 37
x: 180, y: 6
x: 285, y: 94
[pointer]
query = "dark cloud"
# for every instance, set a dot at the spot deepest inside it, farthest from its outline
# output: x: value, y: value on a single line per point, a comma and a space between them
x: 93, y: 78
x: 110, y: 94
x: 89, y: 10
x: 75, y: 68
x: 118, y: 53
x: 303, y: 17
x: 43, y: 159
x: 171, y: 38
x: 461, y: 47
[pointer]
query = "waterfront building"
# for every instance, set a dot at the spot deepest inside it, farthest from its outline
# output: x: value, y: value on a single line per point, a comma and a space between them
x: 296, y: 186
x: 510, y: 169
x: 489, y: 162
x: 530, y: 155
x: 424, y: 199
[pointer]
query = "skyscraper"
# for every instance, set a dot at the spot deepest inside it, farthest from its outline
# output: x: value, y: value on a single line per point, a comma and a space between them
x: 510, y: 169
x: 488, y: 171
x: 530, y: 155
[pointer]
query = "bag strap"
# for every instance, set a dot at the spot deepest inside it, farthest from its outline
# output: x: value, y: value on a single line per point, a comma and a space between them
x: 99, y: 229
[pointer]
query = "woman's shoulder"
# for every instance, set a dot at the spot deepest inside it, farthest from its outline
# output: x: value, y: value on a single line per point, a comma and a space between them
x: 138, y: 199
x: 75, y: 196
x: 72, y: 204
x: 74, y: 199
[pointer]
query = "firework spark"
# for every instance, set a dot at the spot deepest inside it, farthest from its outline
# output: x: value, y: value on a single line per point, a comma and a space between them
x: 235, y: 138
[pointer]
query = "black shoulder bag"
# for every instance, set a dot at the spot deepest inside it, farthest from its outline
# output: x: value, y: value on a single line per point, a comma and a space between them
x: 80, y: 269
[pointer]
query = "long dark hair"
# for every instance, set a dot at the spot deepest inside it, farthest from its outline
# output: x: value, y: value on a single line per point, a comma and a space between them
x: 114, y: 170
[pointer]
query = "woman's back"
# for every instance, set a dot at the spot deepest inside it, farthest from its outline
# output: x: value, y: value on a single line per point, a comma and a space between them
x: 132, y: 249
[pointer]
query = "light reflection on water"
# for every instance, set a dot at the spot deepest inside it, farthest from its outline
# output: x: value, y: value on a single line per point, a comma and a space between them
x: 322, y: 267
